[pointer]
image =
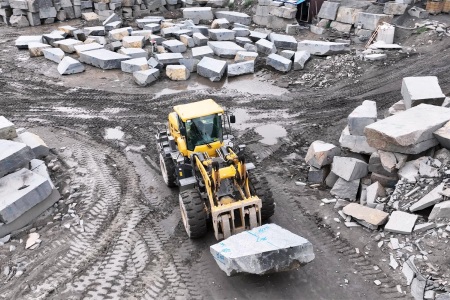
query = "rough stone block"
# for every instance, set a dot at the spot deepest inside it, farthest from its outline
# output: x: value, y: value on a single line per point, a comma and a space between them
x: 409, y: 172
x: 234, y: 17
x: 53, y: 37
x: 174, y: 46
x: 317, y: 30
x: 279, y: 63
x: 169, y: 58
x: 153, y: 27
x: 241, y: 32
x: 241, y: 68
x: 418, y: 12
x: 440, y: 210
x: 283, y: 12
x: 322, y: 48
x: 23, y: 41
x: 331, y: 179
x: 222, y: 35
x: 241, y: 41
x: 424, y: 89
x: 300, y: 59
x: 87, y: 47
x: 256, y: 36
x: 418, y: 288
x: 111, y: 19
x: 321, y: 154
x: 262, y: 250
x: 103, y: 59
x: 181, y: 32
x: 347, y: 14
x: 36, y: 49
x: 265, y: 47
x: 47, y: 12
x: 363, y: 213
x: 177, y: 72
x: 146, y: 34
x: 37, y: 145
x: 355, y: 143
x: 119, y: 34
x: 292, y: 29
x: 187, y: 41
x: 211, y: 68
x: 443, y: 135
x: 349, y: 168
x: 200, y: 52
x: 34, y: 19
x: 190, y: 64
x: 68, y: 65
x: 133, y: 52
x: 200, y: 39
x: 386, y: 181
x: 282, y: 41
x: 7, y: 129
x: 328, y: 10
x: 144, y: 78
x: 242, y: 56
x: 316, y: 175
x: 402, y: 133
x: 289, y: 54
x: 225, y: 49
x: 362, y: 116
x: 94, y: 30
x: 53, y: 54
x: 374, y: 191
x: 341, y: 27
x: 19, y: 192
x: 394, y: 8
x: 134, y: 65
x: 134, y: 41
x: 198, y: 13
x: 68, y: 45
x: 401, y: 222
x: 200, y: 29
x: 13, y: 156
x: 345, y: 189
x: 220, y: 24
x: 371, y: 21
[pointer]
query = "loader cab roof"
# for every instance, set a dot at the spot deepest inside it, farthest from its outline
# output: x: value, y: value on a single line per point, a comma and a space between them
x: 198, y: 109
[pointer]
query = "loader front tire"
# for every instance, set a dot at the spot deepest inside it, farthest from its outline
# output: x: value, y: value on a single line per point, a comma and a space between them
x: 168, y: 170
x: 260, y: 187
x: 193, y: 213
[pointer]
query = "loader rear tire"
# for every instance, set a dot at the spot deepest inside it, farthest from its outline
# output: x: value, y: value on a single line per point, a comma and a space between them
x: 168, y: 170
x: 260, y: 187
x: 193, y: 213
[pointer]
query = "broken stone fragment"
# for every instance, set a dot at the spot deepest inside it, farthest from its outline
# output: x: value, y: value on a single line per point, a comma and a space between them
x: 372, y: 216
x: 409, y: 172
x: 200, y: 39
x: 225, y: 49
x: 133, y: 41
x: 7, y: 129
x: 349, y: 168
x: 362, y: 116
x: 401, y: 222
x: 241, y: 68
x: 443, y: 135
x: 32, y: 239
x: 429, y: 199
x: 440, y: 210
x: 242, y: 56
x: 374, y: 191
x: 13, y: 155
x: 316, y: 175
x: 355, y: 143
x: 300, y: 59
x: 279, y: 63
x: 144, y: 78
x: 345, y: 189
x: 36, y: 49
x: 282, y: 41
x: 265, y: 47
x: 321, y: 154
x: 424, y: 227
x: 322, y: 48
x: 386, y: 181
x: 37, y: 145
x: 68, y: 66
x: 133, y: 65
x: 177, y: 72
x: 424, y: 89
x: 211, y: 68
x: 262, y: 250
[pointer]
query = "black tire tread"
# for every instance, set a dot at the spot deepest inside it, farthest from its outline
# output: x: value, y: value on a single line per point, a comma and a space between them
x: 170, y: 168
x: 195, y: 212
x: 260, y: 186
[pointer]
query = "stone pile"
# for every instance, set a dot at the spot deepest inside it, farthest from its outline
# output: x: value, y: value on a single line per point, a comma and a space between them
x: 26, y: 189
x: 275, y: 14
x: 393, y: 175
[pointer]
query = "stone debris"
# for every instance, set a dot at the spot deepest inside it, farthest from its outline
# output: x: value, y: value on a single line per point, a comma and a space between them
x: 374, y: 191
x: 262, y: 250
x: 440, y: 210
x: 211, y: 68
x: 144, y: 78
x: 68, y: 66
x: 429, y: 199
x: 177, y: 72
x: 418, y: 90
x: 401, y: 222
x: 33, y: 238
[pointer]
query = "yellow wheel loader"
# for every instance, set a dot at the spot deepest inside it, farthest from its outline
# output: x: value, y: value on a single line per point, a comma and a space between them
x: 196, y: 154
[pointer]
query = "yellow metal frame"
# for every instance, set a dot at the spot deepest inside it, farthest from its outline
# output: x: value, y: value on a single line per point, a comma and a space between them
x: 198, y: 109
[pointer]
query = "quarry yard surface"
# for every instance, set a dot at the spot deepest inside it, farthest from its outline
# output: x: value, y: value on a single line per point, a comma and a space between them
x: 131, y: 243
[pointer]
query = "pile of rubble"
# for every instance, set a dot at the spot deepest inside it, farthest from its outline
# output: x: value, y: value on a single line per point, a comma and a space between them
x: 181, y: 48
x: 277, y: 15
x: 395, y: 178
x: 26, y: 189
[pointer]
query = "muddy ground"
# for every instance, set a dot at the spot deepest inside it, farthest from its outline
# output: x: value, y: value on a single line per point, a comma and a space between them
x: 130, y: 243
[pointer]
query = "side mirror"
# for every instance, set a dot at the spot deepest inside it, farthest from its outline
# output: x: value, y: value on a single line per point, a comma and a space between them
x: 232, y: 119
x: 183, y: 131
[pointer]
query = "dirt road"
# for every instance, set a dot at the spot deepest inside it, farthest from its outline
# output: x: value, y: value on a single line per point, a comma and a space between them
x: 130, y: 243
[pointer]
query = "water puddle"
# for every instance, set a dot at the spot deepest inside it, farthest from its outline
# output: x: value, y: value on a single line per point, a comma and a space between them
x: 271, y: 133
x: 113, y: 134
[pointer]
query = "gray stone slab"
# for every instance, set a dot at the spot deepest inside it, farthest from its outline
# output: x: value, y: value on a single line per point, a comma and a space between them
x: 221, y: 23
x: 35, y: 49
x: 265, y: 47
x: 200, y: 52
x: 429, y: 199
x: 134, y: 65
x: 349, y: 168
x: 408, y: 273
x: 23, y: 41
x: 19, y: 192
x: 95, y: 30
x: 68, y: 66
x: 7, y: 129
x: 245, y: 56
x: 47, y: 12
x: 362, y: 116
x: 418, y: 288
x: 347, y: 15
x: 112, y: 19
x: 187, y: 41
x: 262, y: 250
x: 141, y: 23
x: 37, y: 145
x: 345, y: 189
x: 283, y: 12
x: 282, y: 41
x: 279, y: 63
x: 144, y: 78
x: 225, y: 49
x: 198, y: 13
x: 200, y: 39
x: 256, y: 36
x: 241, y: 32
x: 177, y: 72
x: 370, y: 215
x: 300, y: 59
x: 200, y: 29
x: 443, y: 135
x: 374, y: 191
x: 328, y: 10
x: 355, y: 143
x: 321, y: 154
x: 221, y: 35
x: 440, y: 210
x: 424, y: 227
x: 169, y: 58
x: 241, y: 68
x: 53, y: 54
x: 190, y: 64
x: 289, y: 54
x: 51, y: 38
x: 371, y: 21
x: 87, y: 47
x: 174, y: 46
x: 241, y: 41
x: 137, y: 41
x: 68, y: 45
x: 423, y: 89
x: 133, y: 52
x: 234, y: 17
x: 401, y: 222
x: 394, y: 8
x: 211, y: 68
x: 322, y: 48
x: 402, y: 133
x: 103, y: 59
x: 153, y: 27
